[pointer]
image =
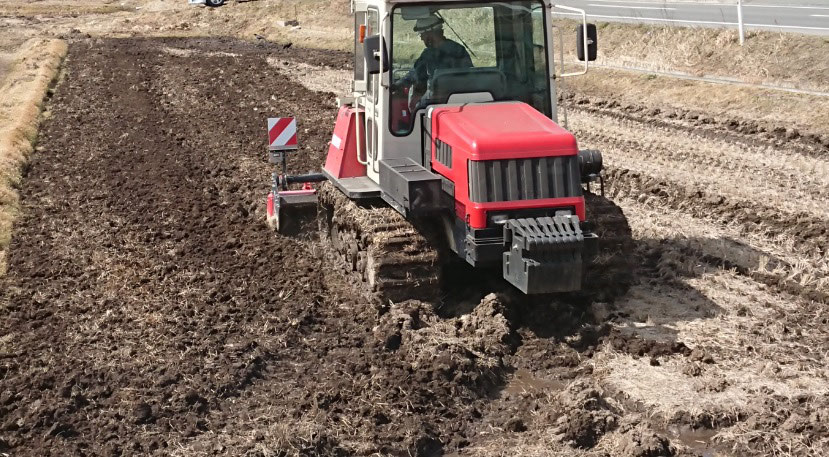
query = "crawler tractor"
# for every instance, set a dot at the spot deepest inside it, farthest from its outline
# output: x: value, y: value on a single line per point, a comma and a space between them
x: 459, y: 156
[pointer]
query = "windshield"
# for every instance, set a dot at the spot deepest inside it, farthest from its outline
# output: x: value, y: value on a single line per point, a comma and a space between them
x: 487, y: 51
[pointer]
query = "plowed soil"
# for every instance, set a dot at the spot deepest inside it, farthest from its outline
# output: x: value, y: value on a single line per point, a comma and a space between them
x: 148, y: 309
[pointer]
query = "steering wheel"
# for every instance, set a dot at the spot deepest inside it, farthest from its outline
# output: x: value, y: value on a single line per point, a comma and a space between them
x: 413, y: 96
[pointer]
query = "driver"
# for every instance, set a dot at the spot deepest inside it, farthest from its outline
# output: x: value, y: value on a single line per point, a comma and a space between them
x: 440, y: 53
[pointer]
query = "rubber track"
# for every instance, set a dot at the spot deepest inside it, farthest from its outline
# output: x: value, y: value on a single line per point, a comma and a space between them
x: 387, y: 256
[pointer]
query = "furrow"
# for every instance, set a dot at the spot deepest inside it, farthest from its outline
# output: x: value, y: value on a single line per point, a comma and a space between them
x: 801, y: 183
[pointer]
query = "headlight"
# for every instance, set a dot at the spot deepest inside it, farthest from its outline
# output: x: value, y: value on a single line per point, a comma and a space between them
x: 499, y: 219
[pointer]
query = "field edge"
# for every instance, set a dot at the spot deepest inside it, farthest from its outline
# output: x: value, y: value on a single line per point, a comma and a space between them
x: 27, y: 85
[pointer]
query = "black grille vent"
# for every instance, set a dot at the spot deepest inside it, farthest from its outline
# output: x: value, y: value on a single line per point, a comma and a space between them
x: 443, y: 153
x: 524, y: 179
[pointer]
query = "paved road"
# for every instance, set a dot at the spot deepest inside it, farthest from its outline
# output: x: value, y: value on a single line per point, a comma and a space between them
x: 790, y: 16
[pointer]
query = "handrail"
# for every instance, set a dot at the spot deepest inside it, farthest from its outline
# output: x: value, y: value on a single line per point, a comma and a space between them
x: 584, y: 31
x: 380, y: 96
x: 357, y: 132
x: 561, y: 65
x: 383, y: 47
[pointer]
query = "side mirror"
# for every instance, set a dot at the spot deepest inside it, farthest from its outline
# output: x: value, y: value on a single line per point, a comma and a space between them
x: 592, y: 46
x: 371, y: 51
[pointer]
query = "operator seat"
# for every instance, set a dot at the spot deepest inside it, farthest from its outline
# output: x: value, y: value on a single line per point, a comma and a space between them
x: 450, y: 81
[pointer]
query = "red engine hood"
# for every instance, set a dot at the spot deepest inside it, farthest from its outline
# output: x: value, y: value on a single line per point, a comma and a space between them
x: 508, y: 130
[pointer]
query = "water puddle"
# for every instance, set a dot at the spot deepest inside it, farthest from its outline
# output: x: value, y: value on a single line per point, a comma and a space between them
x: 698, y: 440
x: 524, y: 381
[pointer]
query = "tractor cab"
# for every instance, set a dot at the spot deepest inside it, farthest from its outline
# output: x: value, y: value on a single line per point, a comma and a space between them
x: 466, y: 52
x: 410, y: 56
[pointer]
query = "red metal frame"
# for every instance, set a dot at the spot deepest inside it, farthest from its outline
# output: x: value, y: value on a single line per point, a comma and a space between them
x: 272, y: 203
x: 341, y: 161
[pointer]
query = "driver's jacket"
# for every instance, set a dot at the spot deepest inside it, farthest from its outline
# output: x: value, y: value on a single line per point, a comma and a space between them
x: 448, y: 54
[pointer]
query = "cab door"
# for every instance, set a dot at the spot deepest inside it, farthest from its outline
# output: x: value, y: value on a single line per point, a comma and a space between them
x: 372, y: 104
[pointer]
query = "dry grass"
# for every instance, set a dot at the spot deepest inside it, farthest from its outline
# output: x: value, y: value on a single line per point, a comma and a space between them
x: 524, y: 445
x: 665, y: 390
x: 773, y: 108
x: 719, y: 166
x: 749, y: 251
x: 782, y: 59
x: 316, y: 78
x: 60, y: 8
x: 273, y: 438
x: 737, y: 320
x: 32, y: 71
x: 762, y: 336
x: 325, y: 25
x: 734, y: 386
x: 746, y: 439
x: 786, y: 59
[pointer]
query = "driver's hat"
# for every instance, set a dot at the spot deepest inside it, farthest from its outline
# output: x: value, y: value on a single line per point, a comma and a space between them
x: 428, y: 24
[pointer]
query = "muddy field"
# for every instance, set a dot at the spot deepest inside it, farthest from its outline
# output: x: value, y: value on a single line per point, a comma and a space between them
x: 148, y: 310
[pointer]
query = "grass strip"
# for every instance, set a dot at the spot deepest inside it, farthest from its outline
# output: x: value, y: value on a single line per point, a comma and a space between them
x: 32, y: 72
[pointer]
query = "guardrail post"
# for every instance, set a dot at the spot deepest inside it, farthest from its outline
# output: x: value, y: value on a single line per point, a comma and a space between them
x: 740, y: 21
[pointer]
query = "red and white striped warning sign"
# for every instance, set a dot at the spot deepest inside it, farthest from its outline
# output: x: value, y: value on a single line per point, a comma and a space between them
x: 281, y: 133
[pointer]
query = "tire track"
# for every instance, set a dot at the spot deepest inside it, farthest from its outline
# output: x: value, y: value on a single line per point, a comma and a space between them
x: 677, y: 158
